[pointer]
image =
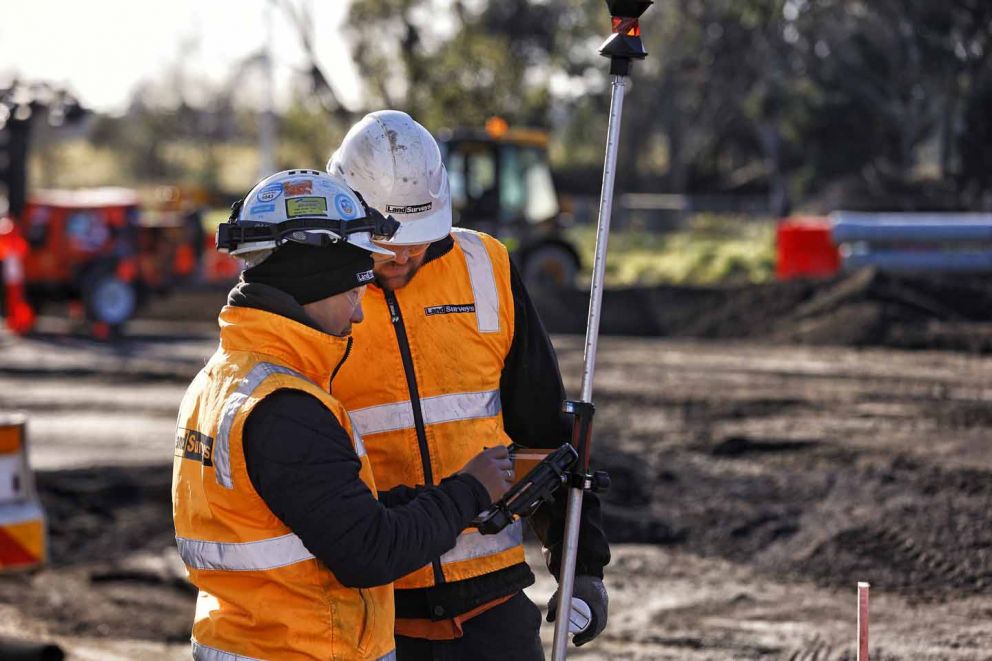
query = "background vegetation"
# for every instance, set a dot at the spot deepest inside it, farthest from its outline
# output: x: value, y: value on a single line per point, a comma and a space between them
x: 798, y: 103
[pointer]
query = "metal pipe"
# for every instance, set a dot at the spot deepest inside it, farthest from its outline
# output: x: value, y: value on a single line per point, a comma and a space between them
x: 918, y: 261
x: 574, y: 512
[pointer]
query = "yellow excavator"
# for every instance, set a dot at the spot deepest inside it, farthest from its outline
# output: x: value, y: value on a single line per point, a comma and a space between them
x: 501, y: 184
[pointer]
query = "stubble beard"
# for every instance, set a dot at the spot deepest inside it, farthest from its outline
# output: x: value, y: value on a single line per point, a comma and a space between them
x: 394, y: 282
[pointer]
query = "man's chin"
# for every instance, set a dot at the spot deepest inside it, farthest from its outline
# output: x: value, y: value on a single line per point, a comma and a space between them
x: 391, y: 283
x: 394, y: 281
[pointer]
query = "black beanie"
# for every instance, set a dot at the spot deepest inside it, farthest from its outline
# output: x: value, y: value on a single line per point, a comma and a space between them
x: 311, y: 273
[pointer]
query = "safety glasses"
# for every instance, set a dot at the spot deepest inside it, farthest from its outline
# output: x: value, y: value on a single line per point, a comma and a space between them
x: 401, y: 251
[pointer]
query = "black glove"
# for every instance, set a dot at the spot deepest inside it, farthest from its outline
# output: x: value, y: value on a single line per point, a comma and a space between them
x: 592, y: 591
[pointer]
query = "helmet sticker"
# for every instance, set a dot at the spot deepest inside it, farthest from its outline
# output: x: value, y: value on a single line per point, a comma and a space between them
x: 262, y: 208
x: 412, y: 208
x: 306, y: 206
x: 269, y: 193
x: 298, y: 187
x: 345, y: 206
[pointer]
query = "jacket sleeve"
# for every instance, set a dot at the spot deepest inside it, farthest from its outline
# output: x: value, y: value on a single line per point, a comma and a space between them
x: 302, y: 463
x: 532, y: 393
x: 399, y: 495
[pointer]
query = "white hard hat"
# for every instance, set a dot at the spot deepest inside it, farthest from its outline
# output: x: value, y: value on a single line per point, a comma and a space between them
x: 302, y: 206
x: 395, y: 164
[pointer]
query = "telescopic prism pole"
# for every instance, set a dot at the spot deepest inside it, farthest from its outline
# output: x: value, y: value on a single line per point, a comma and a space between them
x: 575, y: 493
x: 622, y: 47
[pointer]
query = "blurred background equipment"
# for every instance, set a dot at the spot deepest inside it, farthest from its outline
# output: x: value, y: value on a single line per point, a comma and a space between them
x: 805, y: 248
x: 84, y: 247
x: 100, y: 246
x: 501, y: 184
x: 23, y: 536
x: 914, y: 242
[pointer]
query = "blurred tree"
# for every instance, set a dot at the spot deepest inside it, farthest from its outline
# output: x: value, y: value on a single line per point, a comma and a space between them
x: 785, y: 98
x: 307, y: 135
x: 455, y: 63
x: 301, y: 17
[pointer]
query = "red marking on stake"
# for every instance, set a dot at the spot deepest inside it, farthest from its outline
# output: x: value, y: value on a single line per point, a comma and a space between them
x: 863, y: 621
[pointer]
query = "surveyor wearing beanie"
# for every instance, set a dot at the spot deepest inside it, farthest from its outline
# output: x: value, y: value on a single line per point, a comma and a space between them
x: 277, y: 515
x: 309, y: 273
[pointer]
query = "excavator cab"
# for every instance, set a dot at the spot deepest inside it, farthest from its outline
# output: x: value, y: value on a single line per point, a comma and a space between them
x: 501, y: 184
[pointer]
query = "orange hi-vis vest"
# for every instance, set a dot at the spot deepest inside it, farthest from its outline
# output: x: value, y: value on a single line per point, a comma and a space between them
x: 263, y: 595
x: 422, y: 387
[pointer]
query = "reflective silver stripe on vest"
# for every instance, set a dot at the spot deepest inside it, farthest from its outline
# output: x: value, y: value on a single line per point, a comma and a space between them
x: 438, y: 409
x: 475, y: 545
x: 243, y: 556
x: 480, y: 272
x: 382, y: 418
x: 356, y: 436
x: 203, y: 653
x: 222, y: 446
x: 460, y: 406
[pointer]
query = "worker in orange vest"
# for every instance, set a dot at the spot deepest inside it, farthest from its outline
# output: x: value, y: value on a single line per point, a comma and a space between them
x: 20, y: 318
x: 453, y: 357
x: 278, y: 517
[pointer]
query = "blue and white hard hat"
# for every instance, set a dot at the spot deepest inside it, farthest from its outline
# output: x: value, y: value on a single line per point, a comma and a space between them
x: 303, y: 206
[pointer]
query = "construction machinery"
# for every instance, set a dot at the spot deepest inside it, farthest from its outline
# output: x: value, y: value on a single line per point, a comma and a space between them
x: 501, y: 184
x: 102, y: 247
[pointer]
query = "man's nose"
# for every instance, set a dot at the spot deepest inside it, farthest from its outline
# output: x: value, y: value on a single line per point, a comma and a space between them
x: 402, y: 257
x: 357, y: 315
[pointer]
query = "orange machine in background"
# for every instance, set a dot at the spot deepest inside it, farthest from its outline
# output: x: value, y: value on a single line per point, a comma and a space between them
x: 103, y: 248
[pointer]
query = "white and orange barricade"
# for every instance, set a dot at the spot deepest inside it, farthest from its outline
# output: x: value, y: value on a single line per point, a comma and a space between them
x: 23, y: 536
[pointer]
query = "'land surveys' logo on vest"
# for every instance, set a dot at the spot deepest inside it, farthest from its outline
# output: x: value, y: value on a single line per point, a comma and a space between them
x: 191, y: 444
x: 449, y: 309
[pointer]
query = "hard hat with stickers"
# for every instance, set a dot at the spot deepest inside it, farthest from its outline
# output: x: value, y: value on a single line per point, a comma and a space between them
x: 302, y: 206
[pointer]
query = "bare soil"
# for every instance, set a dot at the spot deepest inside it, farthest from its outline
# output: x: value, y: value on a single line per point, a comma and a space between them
x: 754, y: 482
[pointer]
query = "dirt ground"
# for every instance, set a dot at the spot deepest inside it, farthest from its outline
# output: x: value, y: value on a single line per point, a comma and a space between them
x: 754, y: 483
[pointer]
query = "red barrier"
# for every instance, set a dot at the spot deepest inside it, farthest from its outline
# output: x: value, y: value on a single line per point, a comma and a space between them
x: 806, y: 249
x: 20, y: 317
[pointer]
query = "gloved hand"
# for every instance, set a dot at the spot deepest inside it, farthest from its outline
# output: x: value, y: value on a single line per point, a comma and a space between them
x: 592, y: 591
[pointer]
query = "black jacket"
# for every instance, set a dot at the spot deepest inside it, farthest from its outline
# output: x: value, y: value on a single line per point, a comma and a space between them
x: 301, y: 462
